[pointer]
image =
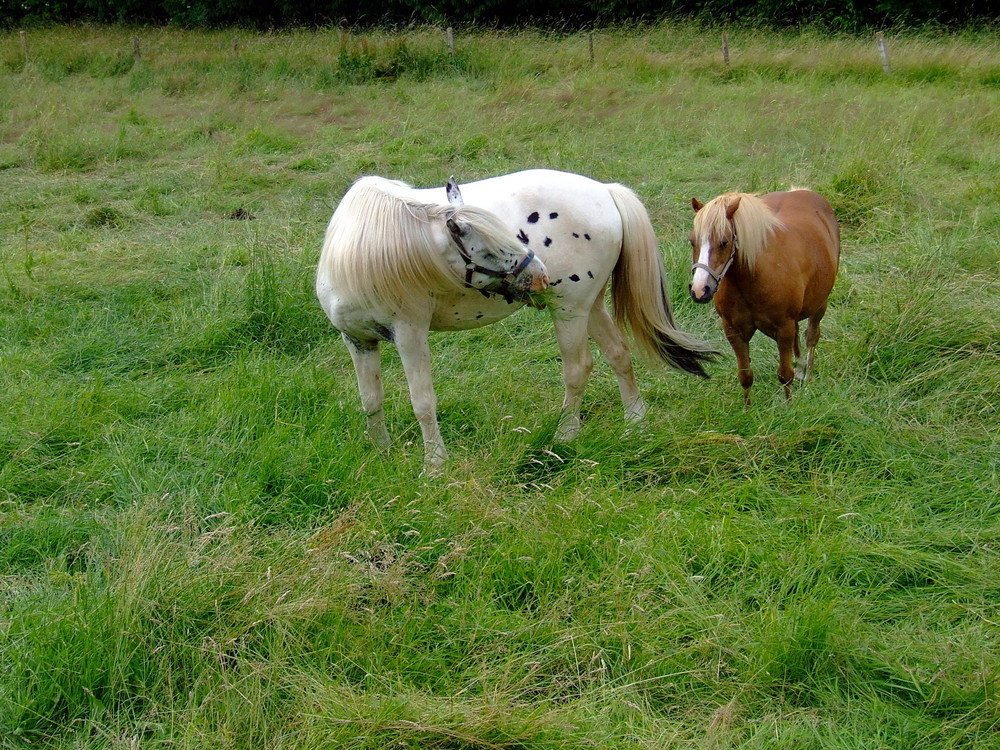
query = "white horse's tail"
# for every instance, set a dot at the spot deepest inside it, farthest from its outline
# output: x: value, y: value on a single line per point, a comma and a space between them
x: 640, y: 295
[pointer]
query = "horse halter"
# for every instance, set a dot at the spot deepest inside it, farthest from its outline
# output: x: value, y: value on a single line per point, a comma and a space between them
x: 507, y: 278
x: 717, y: 277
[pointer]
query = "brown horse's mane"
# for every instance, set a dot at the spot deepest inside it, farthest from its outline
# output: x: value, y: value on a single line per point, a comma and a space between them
x: 754, y: 221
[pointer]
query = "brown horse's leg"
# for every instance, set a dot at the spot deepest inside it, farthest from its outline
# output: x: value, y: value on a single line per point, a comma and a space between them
x: 812, y: 338
x: 739, y: 339
x: 798, y: 350
x: 786, y: 338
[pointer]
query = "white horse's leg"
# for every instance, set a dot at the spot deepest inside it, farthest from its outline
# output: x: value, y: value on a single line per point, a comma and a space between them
x: 415, y: 353
x: 368, y: 367
x: 571, y: 333
x: 615, y: 349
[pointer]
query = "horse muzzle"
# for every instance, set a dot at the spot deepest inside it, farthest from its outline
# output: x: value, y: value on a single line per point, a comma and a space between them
x: 531, y: 281
x: 530, y: 276
x: 539, y: 282
x: 702, y: 293
x: 705, y: 281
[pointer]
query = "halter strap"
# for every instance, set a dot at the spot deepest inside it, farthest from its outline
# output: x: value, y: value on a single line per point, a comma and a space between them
x: 516, y: 271
x: 507, y: 278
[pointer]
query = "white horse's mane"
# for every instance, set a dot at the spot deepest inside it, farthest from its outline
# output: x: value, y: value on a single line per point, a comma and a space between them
x: 384, y: 247
x: 755, y: 223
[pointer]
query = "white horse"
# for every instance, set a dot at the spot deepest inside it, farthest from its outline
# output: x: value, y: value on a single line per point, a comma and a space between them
x: 399, y: 262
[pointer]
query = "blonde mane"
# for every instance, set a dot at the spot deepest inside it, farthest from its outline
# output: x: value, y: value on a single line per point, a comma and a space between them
x: 755, y: 224
x: 384, y: 247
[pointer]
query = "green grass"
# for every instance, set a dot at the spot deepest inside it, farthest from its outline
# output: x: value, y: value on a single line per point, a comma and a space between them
x: 200, y: 548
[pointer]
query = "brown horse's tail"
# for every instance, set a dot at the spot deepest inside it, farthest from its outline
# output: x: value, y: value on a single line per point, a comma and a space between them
x: 640, y: 295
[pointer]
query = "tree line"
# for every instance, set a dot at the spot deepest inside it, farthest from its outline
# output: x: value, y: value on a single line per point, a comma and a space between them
x: 846, y: 15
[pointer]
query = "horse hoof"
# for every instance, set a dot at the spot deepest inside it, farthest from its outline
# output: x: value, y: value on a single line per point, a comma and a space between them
x: 432, y: 468
x: 565, y: 434
x: 636, y: 429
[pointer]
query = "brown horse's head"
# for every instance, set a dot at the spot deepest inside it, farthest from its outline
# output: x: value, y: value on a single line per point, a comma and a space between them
x: 713, y: 244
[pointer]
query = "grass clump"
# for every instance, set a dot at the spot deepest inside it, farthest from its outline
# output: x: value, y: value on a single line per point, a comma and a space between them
x: 362, y: 62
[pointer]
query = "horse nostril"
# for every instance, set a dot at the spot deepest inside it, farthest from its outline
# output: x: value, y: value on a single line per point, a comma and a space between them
x: 704, y: 296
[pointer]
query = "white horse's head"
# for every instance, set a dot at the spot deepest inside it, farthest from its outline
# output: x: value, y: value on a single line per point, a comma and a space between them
x: 492, y: 259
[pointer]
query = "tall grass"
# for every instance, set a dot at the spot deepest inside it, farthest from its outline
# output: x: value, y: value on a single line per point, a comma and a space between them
x: 199, y: 547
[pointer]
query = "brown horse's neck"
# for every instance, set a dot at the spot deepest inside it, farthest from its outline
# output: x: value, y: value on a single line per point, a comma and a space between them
x: 739, y: 275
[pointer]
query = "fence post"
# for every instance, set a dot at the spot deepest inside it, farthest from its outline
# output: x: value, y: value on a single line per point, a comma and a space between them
x: 136, y: 54
x: 883, y: 50
x: 725, y: 48
x: 451, y: 41
x: 24, y: 46
x: 590, y: 41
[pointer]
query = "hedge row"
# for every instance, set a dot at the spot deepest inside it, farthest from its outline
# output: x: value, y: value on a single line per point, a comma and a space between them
x: 562, y: 14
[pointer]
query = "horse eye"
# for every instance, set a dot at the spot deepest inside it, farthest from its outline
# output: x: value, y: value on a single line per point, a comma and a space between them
x: 724, y: 244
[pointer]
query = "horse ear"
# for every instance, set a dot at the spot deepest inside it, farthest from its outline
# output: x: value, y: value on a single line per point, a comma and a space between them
x: 454, y: 194
x: 697, y: 205
x: 731, y: 208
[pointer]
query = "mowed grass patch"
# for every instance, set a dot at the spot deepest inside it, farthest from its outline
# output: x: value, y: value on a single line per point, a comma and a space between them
x: 199, y: 545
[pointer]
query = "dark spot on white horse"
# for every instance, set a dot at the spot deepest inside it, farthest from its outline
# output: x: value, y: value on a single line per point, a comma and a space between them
x: 361, y: 345
x: 574, y: 277
x: 523, y: 237
x: 533, y: 218
x: 590, y: 274
x: 576, y: 235
x: 553, y: 215
x: 548, y: 241
x: 557, y: 282
x: 384, y: 332
x: 587, y: 237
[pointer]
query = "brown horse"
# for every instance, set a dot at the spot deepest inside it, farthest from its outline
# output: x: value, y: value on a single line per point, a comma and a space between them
x: 769, y: 261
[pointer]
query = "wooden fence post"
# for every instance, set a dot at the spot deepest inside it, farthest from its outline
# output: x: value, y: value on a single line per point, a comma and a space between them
x: 590, y: 41
x: 725, y: 48
x: 136, y: 54
x: 451, y: 41
x: 883, y: 50
x: 24, y: 46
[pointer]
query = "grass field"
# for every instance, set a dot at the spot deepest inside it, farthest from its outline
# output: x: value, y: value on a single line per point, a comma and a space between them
x: 200, y: 548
